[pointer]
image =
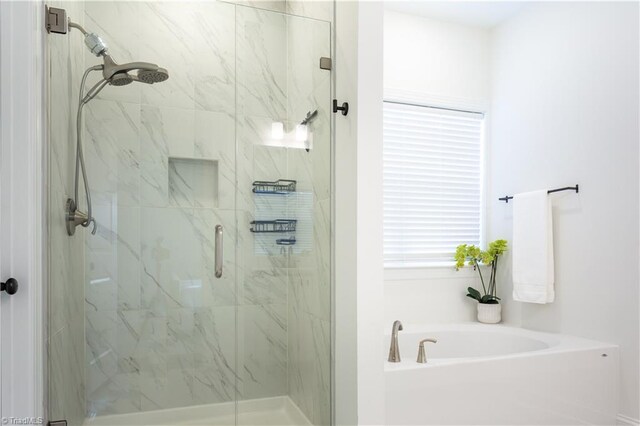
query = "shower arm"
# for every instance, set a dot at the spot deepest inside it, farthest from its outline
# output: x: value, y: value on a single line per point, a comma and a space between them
x: 92, y: 40
x: 72, y: 24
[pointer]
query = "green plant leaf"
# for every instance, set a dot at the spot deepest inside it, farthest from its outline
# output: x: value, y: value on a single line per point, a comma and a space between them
x: 478, y: 259
x: 489, y: 299
x: 474, y: 293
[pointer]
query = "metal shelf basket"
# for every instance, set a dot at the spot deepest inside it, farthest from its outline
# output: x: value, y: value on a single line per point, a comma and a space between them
x: 286, y: 241
x: 278, y: 225
x: 281, y: 186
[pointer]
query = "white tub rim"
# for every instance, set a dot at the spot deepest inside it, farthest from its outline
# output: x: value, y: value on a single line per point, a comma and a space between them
x: 556, y: 343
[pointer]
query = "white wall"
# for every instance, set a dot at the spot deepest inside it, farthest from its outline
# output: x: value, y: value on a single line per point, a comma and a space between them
x: 419, y: 296
x: 565, y: 111
x: 345, y: 332
x: 445, y: 64
x: 368, y: 108
x: 345, y: 327
x: 435, y: 58
x: 22, y: 211
x: 359, y: 382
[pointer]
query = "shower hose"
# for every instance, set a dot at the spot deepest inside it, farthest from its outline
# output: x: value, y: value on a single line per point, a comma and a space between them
x: 80, y: 165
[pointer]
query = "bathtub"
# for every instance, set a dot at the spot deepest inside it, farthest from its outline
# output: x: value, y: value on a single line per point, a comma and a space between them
x: 497, y: 375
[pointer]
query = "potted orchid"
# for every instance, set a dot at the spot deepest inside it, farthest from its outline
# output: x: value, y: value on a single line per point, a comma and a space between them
x: 489, y: 308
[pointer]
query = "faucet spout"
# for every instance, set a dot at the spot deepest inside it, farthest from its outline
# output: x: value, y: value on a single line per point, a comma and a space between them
x: 394, y: 349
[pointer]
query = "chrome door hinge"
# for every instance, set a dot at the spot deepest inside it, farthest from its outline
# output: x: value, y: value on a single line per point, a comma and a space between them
x: 325, y: 63
x: 55, y: 20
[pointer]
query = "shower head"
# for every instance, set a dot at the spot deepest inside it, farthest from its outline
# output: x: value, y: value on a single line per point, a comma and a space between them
x: 120, y: 75
x: 121, y: 79
x: 151, y: 76
x: 115, y: 75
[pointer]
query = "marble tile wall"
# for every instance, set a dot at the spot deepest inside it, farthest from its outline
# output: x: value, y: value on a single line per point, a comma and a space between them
x: 299, y: 86
x: 65, y: 290
x: 309, y: 308
x: 161, y: 330
x: 316, y: 9
x: 262, y: 310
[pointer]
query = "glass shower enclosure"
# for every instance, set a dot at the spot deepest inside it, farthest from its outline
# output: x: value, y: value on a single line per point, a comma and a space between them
x: 204, y: 297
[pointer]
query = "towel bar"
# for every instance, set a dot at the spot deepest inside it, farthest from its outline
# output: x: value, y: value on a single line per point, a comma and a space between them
x: 566, y: 188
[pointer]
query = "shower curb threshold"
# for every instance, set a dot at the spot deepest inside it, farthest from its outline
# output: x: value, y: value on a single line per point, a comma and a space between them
x: 279, y: 410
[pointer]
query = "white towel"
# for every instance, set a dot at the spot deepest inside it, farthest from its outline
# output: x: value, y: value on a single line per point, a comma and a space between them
x: 533, y: 273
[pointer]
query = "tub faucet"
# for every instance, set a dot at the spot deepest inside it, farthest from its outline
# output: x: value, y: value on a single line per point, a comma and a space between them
x: 422, y: 356
x: 394, y: 350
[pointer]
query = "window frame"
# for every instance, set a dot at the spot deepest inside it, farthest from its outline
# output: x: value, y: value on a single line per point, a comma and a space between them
x: 443, y: 270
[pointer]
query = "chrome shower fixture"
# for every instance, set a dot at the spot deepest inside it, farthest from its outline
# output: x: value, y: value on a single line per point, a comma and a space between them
x: 94, y: 43
x: 310, y: 116
x: 113, y: 74
x: 118, y: 75
x: 308, y: 119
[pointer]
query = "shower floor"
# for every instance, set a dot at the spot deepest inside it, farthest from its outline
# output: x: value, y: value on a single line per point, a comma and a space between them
x: 279, y: 411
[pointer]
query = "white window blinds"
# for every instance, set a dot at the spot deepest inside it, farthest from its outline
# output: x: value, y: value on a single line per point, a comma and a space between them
x: 432, y: 183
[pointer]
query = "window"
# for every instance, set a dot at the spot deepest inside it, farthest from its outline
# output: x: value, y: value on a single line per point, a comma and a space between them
x: 432, y: 183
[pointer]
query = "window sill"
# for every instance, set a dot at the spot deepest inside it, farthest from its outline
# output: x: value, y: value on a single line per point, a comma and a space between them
x: 445, y: 270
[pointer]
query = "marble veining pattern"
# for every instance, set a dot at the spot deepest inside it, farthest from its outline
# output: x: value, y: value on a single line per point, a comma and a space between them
x: 161, y: 330
x: 65, y: 290
x: 309, y: 307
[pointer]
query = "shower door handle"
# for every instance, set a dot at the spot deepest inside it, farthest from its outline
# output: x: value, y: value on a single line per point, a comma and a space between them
x: 218, y: 249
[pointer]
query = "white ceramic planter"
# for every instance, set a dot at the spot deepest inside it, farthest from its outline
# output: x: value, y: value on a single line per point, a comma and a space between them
x: 489, y: 314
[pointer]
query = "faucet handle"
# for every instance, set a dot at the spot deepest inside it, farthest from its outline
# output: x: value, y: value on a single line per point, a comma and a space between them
x: 422, y: 356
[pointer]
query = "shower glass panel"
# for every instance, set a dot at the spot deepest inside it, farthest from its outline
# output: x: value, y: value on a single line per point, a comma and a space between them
x: 181, y: 301
x: 283, y: 175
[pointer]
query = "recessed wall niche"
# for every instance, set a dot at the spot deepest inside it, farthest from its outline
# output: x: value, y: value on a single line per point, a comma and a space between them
x: 193, y: 182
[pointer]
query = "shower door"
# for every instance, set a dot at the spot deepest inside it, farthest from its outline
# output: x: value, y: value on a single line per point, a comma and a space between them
x: 175, y: 311
x: 283, y: 170
x: 138, y: 320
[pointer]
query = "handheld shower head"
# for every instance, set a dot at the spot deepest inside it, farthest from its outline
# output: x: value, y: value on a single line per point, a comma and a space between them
x: 151, y: 76
x: 118, y: 75
x: 146, y: 72
x: 121, y: 79
x: 115, y: 75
